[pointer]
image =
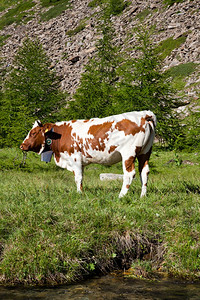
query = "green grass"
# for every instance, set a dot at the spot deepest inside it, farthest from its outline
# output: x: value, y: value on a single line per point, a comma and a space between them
x: 7, y: 3
x: 76, y: 30
x: 3, y: 38
x: 143, y: 14
x: 95, y: 3
x: 16, y: 14
x: 165, y: 47
x: 183, y: 70
x: 50, y: 234
x: 171, y: 2
x: 180, y: 72
x: 57, y: 7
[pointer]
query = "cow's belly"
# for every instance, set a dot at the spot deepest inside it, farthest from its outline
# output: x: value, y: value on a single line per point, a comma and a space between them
x: 99, y: 157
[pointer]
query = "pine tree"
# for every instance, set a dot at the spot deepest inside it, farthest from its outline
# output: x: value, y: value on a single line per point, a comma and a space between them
x: 145, y: 87
x: 94, y: 97
x: 31, y: 92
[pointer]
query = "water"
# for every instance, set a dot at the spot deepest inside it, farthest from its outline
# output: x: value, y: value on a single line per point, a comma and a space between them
x: 109, y: 288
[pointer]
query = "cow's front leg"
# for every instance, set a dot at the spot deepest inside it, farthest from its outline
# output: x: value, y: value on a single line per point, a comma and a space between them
x: 129, y: 174
x: 78, y: 174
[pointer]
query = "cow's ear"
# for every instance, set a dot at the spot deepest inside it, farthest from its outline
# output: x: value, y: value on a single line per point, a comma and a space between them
x: 49, y: 133
x: 39, y: 123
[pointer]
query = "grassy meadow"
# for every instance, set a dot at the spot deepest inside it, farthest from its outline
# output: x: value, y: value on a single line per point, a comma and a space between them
x: 49, y: 234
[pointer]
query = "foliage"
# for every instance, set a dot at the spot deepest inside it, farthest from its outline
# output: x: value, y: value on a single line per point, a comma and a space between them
x: 51, y: 234
x: 182, y: 70
x: 114, y: 84
x: 190, y: 139
x: 76, y: 30
x: 95, y: 94
x: 165, y: 47
x: 94, y: 3
x: 56, y: 8
x: 147, y: 87
x: 143, y: 14
x: 2, y: 39
x: 16, y: 14
x: 115, y: 6
x: 31, y: 92
x: 171, y: 2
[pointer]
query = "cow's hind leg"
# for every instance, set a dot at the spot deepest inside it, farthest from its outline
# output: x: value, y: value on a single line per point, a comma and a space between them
x: 143, y: 160
x: 128, y: 164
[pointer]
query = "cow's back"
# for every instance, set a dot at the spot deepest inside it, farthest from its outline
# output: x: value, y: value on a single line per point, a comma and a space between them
x: 102, y: 140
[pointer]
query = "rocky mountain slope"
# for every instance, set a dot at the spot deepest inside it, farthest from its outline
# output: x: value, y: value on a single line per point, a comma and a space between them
x: 69, y: 39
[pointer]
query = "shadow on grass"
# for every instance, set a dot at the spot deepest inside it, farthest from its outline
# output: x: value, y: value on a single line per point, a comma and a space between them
x: 191, y: 187
x: 182, y: 187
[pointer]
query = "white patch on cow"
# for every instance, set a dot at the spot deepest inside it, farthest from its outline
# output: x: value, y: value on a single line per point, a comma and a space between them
x: 41, y: 150
x: 65, y: 161
x: 34, y: 126
x: 61, y: 123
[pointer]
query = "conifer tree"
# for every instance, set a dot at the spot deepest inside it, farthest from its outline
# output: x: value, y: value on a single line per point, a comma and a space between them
x: 31, y: 92
x: 94, y: 97
x: 145, y: 87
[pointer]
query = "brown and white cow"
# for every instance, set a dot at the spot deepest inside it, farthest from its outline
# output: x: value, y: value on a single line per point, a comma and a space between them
x: 106, y: 141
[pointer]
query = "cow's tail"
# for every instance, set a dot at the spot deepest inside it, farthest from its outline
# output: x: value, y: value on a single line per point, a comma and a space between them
x: 151, y: 119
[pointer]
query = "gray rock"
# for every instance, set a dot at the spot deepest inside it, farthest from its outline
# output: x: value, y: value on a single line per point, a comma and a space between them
x: 110, y: 176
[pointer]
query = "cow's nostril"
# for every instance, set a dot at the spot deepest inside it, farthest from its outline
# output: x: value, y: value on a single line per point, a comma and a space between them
x: 21, y: 147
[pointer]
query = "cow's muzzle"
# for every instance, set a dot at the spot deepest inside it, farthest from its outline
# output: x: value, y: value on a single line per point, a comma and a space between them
x: 23, y: 147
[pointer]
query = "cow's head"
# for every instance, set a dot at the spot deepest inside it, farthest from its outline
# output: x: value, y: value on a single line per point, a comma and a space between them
x: 35, y: 140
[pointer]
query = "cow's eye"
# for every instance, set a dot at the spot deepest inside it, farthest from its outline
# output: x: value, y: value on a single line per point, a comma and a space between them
x: 33, y: 133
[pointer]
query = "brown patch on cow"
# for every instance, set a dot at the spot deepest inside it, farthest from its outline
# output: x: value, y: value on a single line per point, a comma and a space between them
x: 73, y: 121
x: 143, y: 160
x: 129, y: 164
x: 112, y: 148
x: 100, y: 133
x: 137, y: 150
x: 85, y: 121
x: 65, y: 143
x: 47, y: 127
x: 128, y: 186
x: 130, y: 127
x: 57, y: 157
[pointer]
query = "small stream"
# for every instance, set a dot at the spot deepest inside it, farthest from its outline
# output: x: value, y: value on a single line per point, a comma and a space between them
x: 109, y: 288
